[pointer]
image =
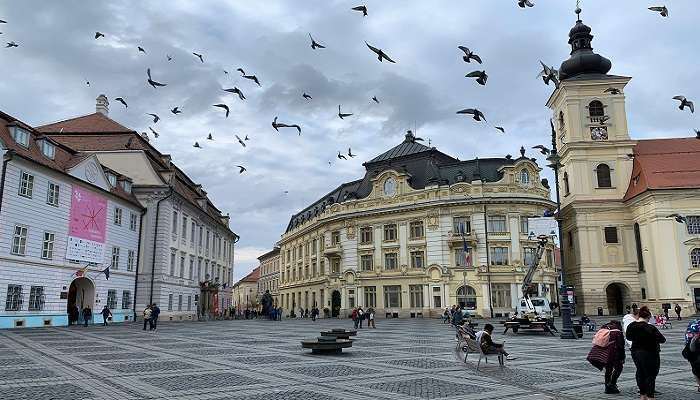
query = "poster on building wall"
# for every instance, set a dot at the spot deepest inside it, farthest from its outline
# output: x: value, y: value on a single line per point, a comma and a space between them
x: 87, y: 226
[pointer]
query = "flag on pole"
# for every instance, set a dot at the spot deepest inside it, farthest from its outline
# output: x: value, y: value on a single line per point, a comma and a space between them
x: 81, y: 272
x: 106, y: 272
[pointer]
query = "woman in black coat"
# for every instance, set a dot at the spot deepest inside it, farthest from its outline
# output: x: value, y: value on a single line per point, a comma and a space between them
x: 645, y: 349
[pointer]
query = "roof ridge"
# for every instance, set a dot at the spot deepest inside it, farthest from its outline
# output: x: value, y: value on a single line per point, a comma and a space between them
x: 96, y: 114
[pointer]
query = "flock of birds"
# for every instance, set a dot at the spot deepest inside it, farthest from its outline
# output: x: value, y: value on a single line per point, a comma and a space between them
x: 548, y: 75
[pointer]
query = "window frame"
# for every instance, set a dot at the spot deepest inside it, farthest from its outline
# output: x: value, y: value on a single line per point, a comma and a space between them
x: 415, y: 296
x: 118, y: 216
x: 48, y: 149
x: 21, y: 136
x: 416, y: 225
x: 126, y: 299
x: 389, y: 228
x: 370, y: 296
x: 389, y: 292
x: 692, y: 224
x: 457, y: 222
x: 395, y: 257
x: 600, y: 172
x: 695, y: 257
x: 37, y: 298
x: 115, y: 257
x: 417, y: 255
x: 14, y: 297
x: 468, y: 294
x: 47, y: 245
x: 524, y: 176
x: 133, y: 221
x: 53, y: 192
x: 26, y: 184
x: 366, y: 232
x: 491, y: 221
x: 130, y: 260
x: 365, y: 257
x: 111, y: 301
x: 21, y: 240
x: 608, y: 232
x: 493, y: 252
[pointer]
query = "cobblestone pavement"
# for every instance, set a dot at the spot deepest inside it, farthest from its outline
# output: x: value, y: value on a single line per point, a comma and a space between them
x: 401, y: 359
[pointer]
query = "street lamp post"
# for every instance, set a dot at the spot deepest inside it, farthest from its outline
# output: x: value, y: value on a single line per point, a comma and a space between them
x: 567, y: 331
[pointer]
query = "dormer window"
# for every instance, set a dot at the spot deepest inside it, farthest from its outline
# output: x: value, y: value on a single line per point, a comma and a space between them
x: 112, y: 179
x: 126, y: 185
x: 524, y: 177
x: 48, y: 149
x: 21, y: 136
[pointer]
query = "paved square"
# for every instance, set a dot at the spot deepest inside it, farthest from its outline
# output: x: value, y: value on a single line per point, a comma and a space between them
x: 402, y: 359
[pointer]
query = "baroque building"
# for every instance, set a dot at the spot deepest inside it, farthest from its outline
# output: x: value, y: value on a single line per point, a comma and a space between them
x: 620, y: 247
x: 391, y: 240
x: 270, y: 274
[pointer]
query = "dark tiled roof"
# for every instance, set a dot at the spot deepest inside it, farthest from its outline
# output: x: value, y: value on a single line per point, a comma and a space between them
x: 407, y: 147
x: 252, y: 277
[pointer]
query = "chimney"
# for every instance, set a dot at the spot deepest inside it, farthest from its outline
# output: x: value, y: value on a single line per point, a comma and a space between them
x: 102, y: 105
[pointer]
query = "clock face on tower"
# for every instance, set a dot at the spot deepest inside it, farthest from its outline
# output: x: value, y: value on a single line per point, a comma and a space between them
x: 599, y: 133
x: 390, y: 187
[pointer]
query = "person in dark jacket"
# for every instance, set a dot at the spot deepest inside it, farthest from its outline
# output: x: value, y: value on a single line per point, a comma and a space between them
x: 155, y: 312
x: 677, y: 309
x: 87, y: 315
x: 645, y: 350
x: 105, y: 315
x: 610, y: 357
x: 488, y: 346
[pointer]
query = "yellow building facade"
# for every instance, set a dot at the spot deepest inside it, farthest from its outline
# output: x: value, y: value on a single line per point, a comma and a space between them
x: 391, y: 240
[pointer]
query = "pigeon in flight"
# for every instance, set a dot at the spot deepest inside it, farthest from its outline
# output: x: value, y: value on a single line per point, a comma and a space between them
x: 237, y: 91
x: 198, y: 56
x: 155, y: 134
x: 241, y: 169
x: 381, y: 55
x: 477, y: 115
x: 277, y: 125
x: 151, y: 81
x: 679, y: 218
x: 2, y: 21
x: 240, y: 70
x: 549, y: 74
x: 469, y: 55
x: 375, y: 99
x: 156, y: 118
x: 175, y: 110
x: 685, y: 103
x: 224, y: 106
x: 141, y: 49
x: 252, y: 78
x: 341, y: 115
x: 661, y: 10
x: 341, y: 156
x: 697, y: 133
x: 11, y: 44
x: 523, y: 3
x: 315, y: 45
x: 500, y: 128
x: 99, y: 35
x: 350, y: 153
x: 169, y: 57
x: 362, y: 9
x: 545, y: 151
x: 196, y: 145
x: 210, y: 137
x: 121, y: 100
x: 87, y: 82
x: 306, y: 96
x: 480, y: 76
x: 612, y: 90
x: 240, y: 140
x: 246, y: 137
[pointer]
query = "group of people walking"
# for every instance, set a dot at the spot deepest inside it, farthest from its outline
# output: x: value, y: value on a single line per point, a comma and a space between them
x: 150, y: 317
x: 358, y: 315
x: 74, y: 315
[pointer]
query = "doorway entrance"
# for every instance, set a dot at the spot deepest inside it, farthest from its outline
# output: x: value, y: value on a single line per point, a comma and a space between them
x: 335, y: 303
x: 616, y: 293
x: 81, y: 294
x: 696, y: 294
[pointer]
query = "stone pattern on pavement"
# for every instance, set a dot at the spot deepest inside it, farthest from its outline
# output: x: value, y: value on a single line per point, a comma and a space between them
x: 258, y: 359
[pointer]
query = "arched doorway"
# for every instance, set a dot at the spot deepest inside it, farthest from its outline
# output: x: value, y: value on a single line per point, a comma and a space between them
x: 81, y: 294
x: 466, y: 297
x: 335, y: 303
x: 615, y: 294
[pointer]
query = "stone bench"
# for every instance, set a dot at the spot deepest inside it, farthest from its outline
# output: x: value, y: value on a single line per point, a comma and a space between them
x: 339, y: 333
x: 326, y: 345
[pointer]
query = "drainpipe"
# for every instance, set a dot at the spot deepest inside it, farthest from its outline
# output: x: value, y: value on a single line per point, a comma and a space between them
x: 136, y: 278
x: 155, y: 242
x: 8, y: 157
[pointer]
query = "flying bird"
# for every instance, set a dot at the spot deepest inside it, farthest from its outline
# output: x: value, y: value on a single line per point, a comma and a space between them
x: 169, y: 57
x: 99, y: 35
x: 121, y: 100
x: 240, y: 70
x: 141, y: 49
x: 341, y: 156
x: 677, y: 217
x: 236, y: 91
x: 3, y: 22
x: 697, y: 133
x: 155, y: 134
x: 480, y: 76
x: 362, y: 9
x: 175, y: 110
x: 278, y: 125
x: 477, y: 115
x: 685, y: 103
x: 198, y: 56
x: 469, y: 55
x: 545, y: 151
x: 252, y: 78
x: 11, y: 44
x: 549, y: 74
x: 661, y: 10
x: 500, y: 128
x: 341, y: 115
x: 210, y: 137
x: 224, y: 106
x: 240, y: 140
x: 306, y: 96
x: 350, y: 153
x: 241, y: 169
x: 156, y: 118
x: 87, y: 82
x: 246, y: 137
x: 151, y: 81
x: 196, y: 145
x: 612, y: 90
x: 381, y: 55
x: 375, y: 99
x: 315, y: 45
x: 523, y: 3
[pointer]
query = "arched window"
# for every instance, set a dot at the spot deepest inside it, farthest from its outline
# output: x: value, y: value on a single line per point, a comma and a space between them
x: 566, y: 184
x: 595, y: 109
x: 603, y: 173
x: 695, y: 258
x: 466, y: 297
x: 524, y: 177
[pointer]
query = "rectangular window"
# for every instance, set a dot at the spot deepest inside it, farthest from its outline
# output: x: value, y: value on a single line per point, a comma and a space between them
x: 366, y: 262
x: 611, y: 234
x: 370, y: 296
x: 366, y: 235
x: 335, y: 238
x: 26, y: 184
x: 416, y: 230
x: 174, y: 223
x: 111, y: 299
x: 322, y: 268
x: 115, y: 257
x: 189, y: 303
x: 390, y: 232
x: 550, y: 258
x: 335, y: 265
x: 182, y: 266
x: 130, y: 257
x: 199, y: 269
x: 48, y: 149
x: 461, y: 259
x: 190, y: 273
x: 133, y: 221
x: 206, y: 243
x: 126, y: 300
x: 173, y: 257
x: 36, y: 298
x: 497, y: 223
x: 52, y: 194
x: 179, y: 302
x: 692, y: 223
x: 499, y: 255
x: 201, y: 236
x: 524, y: 226
x: 47, y: 246
x: 461, y: 224
x: 117, y: 216
x: 415, y: 293
x: 391, y: 261
x: 500, y: 295
x: 19, y: 241
x: 528, y: 256
x: 184, y: 228
x: 112, y: 179
x: 314, y: 269
x: 392, y: 296
x: 170, y: 302
x: 417, y: 259
x: 14, y: 298
x: 314, y: 246
x: 21, y: 136
x: 193, y: 232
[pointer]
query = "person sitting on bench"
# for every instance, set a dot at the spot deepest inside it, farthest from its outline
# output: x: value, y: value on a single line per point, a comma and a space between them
x: 587, y: 322
x: 488, y: 346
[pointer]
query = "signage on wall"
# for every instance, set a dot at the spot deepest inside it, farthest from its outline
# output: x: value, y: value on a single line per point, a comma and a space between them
x: 87, y: 226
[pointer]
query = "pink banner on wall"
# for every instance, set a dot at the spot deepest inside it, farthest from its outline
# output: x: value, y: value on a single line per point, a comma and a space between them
x: 88, y: 215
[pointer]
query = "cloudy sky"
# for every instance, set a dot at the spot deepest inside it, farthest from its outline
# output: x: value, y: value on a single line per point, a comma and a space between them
x: 45, y: 80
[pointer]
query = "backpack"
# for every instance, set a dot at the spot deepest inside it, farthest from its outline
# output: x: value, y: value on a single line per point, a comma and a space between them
x: 602, y: 337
